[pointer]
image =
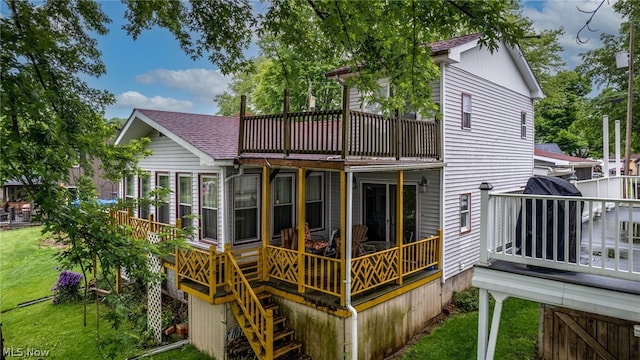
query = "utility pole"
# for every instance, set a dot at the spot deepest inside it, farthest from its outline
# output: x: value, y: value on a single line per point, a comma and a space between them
x: 627, y: 144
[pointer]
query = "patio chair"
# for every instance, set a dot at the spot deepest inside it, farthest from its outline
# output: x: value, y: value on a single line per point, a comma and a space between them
x: 359, y: 236
x: 289, y: 238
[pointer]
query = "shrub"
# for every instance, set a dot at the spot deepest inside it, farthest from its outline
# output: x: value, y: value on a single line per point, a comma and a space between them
x: 466, y: 300
x: 67, y: 287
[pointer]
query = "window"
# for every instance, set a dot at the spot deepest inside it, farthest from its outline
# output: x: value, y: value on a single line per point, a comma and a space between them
x: 314, y: 202
x: 209, y: 206
x: 245, y: 201
x: 523, y: 125
x: 162, y: 206
x: 143, y: 196
x: 466, y: 111
x: 465, y: 213
x: 283, y: 215
x: 184, y: 199
x: 373, y: 107
x: 129, y: 190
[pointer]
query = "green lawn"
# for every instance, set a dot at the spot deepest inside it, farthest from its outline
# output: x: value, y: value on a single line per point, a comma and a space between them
x: 457, y: 337
x: 27, y: 272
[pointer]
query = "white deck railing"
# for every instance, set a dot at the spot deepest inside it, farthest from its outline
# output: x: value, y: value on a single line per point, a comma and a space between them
x: 566, y: 233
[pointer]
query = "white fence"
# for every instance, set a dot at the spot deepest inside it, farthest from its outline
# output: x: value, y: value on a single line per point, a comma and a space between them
x: 567, y: 233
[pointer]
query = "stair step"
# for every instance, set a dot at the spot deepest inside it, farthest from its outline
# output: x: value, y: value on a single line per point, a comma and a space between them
x: 279, y: 319
x: 263, y: 295
x: 286, y: 348
x: 272, y: 306
x: 281, y: 334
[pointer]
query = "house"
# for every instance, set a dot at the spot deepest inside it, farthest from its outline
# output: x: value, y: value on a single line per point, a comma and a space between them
x: 562, y: 165
x: 587, y: 281
x: 397, y: 197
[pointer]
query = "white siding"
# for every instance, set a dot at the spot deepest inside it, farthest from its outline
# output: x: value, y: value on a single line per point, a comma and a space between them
x: 491, y: 150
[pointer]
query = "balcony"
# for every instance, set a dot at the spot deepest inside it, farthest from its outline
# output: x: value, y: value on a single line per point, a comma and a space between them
x: 344, y: 133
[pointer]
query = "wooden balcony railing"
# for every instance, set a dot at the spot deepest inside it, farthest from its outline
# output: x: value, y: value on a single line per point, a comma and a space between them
x: 338, y: 132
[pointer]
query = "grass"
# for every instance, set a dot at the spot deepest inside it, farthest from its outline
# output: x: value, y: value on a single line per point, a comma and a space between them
x: 457, y: 337
x: 27, y: 273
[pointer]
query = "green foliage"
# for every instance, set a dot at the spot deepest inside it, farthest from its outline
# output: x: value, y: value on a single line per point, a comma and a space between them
x: 67, y: 287
x: 467, y: 300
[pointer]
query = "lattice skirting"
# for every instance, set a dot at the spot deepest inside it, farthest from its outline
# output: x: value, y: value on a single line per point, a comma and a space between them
x: 154, y: 293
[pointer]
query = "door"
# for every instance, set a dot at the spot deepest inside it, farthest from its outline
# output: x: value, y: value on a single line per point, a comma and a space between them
x: 379, y: 211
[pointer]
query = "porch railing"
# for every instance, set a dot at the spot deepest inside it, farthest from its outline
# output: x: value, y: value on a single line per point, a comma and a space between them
x: 338, y: 132
x: 369, y: 271
x: 576, y: 234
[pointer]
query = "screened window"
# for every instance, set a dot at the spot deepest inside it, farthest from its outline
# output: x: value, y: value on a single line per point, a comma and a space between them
x: 129, y: 190
x: 523, y: 125
x: 162, y: 206
x: 184, y: 199
x: 314, y: 201
x: 465, y: 212
x: 143, y: 198
x: 245, y: 191
x: 209, y: 206
x: 283, y: 215
x: 466, y: 111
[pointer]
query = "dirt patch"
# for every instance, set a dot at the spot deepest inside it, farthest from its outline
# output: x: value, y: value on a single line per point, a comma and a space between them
x: 53, y: 243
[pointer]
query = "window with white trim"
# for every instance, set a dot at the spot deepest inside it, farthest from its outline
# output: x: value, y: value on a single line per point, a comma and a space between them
x: 143, y: 196
x: 129, y: 190
x: 523, y: 125
x: 465, y: 213
x: 184, y: 199
x: 162, y: 205
x: 373, y: 107
x: 283, y: 206
x: 466, y: 111
x: 314, y: 207
x: 209, y: 206
x: 245, y: 207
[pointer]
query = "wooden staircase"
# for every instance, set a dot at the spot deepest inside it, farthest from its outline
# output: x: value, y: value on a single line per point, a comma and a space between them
x: 260, y: 319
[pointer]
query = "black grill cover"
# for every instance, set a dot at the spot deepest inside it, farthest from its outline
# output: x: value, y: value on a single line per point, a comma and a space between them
x: 548, y: 185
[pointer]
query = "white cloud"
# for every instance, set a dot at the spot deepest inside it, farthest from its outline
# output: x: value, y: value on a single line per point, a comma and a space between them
x: 202, y: 84
x: 134, y: 99
x: 555, y: 14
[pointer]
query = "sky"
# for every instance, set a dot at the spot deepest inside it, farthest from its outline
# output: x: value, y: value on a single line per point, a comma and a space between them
x: 153, y: 72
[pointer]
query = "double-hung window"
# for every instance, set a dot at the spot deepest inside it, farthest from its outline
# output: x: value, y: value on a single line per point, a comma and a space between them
x: 523, y: 125
x: 465, y: 213
x: 283, y: 215
x: 314, y: 201
x: 129, y: 190
x: 184, y: 199
x: 162, y: 205
x: 143, y: 196
x: 245, y: 201
x: 209, y: 206
x: 466, y: 111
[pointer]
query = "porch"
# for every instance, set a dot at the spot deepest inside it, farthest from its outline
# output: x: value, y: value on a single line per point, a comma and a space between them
x: 581, y: 253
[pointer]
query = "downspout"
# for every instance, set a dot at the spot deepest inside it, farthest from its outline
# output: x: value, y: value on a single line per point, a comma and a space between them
x: 227, y: 213
x: 348, y: 247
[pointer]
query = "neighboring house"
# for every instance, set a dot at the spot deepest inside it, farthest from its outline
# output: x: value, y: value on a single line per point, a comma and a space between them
x: 562, y: 165
x: 411, y: 183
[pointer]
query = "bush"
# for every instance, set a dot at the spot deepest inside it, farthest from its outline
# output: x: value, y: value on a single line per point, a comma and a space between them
x: 467, y: 300
x: 67, y: 287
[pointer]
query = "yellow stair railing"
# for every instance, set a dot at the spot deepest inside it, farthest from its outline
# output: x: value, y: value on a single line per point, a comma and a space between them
x: 260, y: 320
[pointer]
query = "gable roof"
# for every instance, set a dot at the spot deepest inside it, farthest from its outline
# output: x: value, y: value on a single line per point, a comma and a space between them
x: 209, y: 137
x: 449, y: 51
x: 563, y: 159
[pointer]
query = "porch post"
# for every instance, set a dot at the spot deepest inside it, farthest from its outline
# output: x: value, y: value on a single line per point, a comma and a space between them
x: 398, y: 136
x: 343, y: 232
x: 485, y: 187
x: 399, y: 222
x: 302, y: 194
x: 287, y: 124
x: 243, y: 109
x: 266, y: 221
x: 345, y: 122
x: 483, y: 323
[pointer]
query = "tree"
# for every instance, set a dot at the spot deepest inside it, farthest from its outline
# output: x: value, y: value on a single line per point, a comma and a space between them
x: 51, y: 120
x: 600, y: 66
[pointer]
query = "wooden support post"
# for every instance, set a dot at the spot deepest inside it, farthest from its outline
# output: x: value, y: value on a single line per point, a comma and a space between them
x: 438, y: 249
x: 118, y: 281
x: 227, y: 268
x: 266, y: 221
x: 212, y: 272
x: 152, y: 227
x: 287, y: 124
x: 399, y: 222
x: 301, y: 228
x: 343, y: 232
x: 345, y: 122
x: 243, y: 109
x: 179, y: 223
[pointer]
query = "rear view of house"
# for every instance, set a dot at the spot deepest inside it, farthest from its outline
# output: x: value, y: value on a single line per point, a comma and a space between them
x: 345, y: 223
